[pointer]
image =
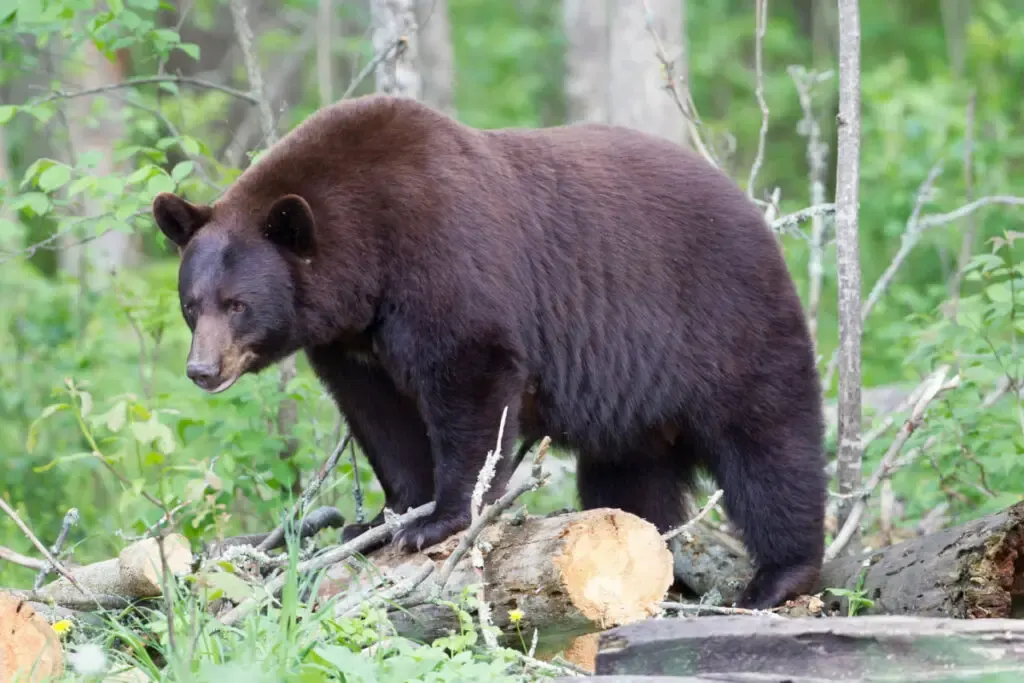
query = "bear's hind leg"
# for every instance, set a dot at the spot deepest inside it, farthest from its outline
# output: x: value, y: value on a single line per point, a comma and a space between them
x: 650, y: 487
x: 776, y: 497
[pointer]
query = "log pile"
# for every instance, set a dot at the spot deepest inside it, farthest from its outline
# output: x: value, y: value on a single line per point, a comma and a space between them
x: 568, y: 575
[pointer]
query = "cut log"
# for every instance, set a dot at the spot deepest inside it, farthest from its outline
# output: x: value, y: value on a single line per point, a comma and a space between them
x: 29, y: 649
x: 568, y: 575
x: 134, y: 574
x: 975, y: 570
x: 880, y: 648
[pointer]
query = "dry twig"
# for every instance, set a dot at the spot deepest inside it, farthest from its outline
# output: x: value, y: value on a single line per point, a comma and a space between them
x: 13, y: 514
x: 937, y: 384
x: 14, y: 557
x: 761, y: 14
x: 683, y: 528
x: 680, y: 95
x: 70, y: 520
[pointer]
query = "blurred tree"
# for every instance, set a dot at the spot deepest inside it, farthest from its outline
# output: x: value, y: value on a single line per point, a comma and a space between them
x: 94, y: 128
x: 437, y: 58
x: 585, y: 23
x: 636, y: 81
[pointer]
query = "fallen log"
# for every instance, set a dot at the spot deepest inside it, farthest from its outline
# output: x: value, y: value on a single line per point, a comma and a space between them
x: 974, y: 570
x: 29, y: 649
x: 879, y: 648
x: 134, y: 574
x: 567, y: 575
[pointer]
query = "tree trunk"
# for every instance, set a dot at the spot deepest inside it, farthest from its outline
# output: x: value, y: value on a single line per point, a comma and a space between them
x: 397, y: 73
x: 569, y: 575
x: 747, y: 648
x: 849, y: 451
x: 587, y: 67
x: 94, y: 126
x: 636, y: 79
x: 437, y: 57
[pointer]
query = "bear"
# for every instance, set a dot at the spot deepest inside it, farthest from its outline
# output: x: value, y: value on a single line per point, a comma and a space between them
x: 609, y: 289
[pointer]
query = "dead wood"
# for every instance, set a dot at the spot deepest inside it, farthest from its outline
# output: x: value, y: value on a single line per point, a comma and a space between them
x: 879, y: 648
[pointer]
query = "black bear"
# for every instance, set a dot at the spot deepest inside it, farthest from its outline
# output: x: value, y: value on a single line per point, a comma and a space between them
x: 619, y: 286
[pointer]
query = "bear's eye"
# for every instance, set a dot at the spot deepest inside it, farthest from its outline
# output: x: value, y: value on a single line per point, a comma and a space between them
x: 237, y: 307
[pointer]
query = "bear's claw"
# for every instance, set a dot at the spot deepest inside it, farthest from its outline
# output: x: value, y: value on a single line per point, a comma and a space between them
x: 428, y: 531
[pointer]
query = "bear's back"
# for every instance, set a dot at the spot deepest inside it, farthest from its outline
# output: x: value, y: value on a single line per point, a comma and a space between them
x: 657, y: 282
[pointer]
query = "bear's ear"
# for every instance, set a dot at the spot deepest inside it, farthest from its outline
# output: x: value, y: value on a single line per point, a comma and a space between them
x: 178, y: 219
x: 290, y: 225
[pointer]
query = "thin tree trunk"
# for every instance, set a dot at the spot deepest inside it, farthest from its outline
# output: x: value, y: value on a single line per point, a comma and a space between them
x: 437, y: 57
x: 849, y: 452
x: 324, y: 55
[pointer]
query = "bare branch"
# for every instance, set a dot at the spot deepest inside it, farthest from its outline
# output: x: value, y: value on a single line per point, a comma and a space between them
x: 967, y: 209
x: 789, y: 221
x: 697, y: 610
x: 397, y: 45
x: 683, y: 528
x: 338, y: 554
x: 274, y: 538
x: 14, y: 557
x: 144, y: 80
x: 680, y: 95
x: 849, y: 448
x: 536, y: 480
x: 761, y: 19
x: 936, y: 384
x: 70, y: 520
x: 12, y: 513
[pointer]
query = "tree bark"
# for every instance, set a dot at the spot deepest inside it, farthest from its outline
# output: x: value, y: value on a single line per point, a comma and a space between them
x: 971, y: 571
x: 587, y: 67
x: 747, y: 648
x: 849, y: 452
x: 569, y: 575
x: 398, y: 73
x: 636, y: 80
x: 437, y: 57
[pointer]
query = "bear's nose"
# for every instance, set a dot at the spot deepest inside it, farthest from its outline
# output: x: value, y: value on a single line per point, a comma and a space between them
x: 201, y: 373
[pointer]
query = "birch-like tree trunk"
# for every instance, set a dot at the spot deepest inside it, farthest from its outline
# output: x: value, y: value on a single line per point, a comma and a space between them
x: 95, y: 127
x: 324, y: 54
x: 585, y: 25
x: 612, y: 70
x: 397, y: 73
x: 436, y: 55
x: 849, y: 451
x: 636, y: 80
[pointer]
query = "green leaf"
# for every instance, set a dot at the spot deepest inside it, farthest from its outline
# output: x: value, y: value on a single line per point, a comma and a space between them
x: 169, y: 86
x: 8, y: 111
x: 154, y: 431
x: 998, y: 292
x: 81, y: 455
x: 228, y: 585
x: 32, y: 438
x: 160, y: 183
x: 86, y: 399
x: 181, y: 170
x: 189, y: 145
x: 191, y: 49
x: 37, y: 201
x: 116, y: 6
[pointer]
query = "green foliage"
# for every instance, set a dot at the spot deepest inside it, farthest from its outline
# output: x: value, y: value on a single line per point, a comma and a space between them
x: 95, y: 411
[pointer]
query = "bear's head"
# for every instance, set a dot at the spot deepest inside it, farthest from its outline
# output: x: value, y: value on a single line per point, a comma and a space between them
x: 237, y: 282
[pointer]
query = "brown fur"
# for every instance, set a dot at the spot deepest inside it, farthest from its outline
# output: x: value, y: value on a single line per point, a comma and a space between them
x: 609, y: 287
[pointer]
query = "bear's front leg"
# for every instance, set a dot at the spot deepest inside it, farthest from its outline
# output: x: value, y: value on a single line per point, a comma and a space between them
x: 461, y: 401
